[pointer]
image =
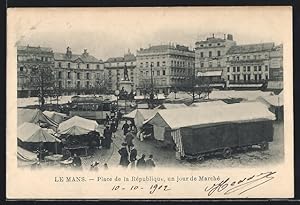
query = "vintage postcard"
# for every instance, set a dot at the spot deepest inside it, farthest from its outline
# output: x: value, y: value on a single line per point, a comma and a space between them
x: 150, y: 103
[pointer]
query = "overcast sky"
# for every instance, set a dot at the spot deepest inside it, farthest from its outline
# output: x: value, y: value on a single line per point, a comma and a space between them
x: 111, y: 32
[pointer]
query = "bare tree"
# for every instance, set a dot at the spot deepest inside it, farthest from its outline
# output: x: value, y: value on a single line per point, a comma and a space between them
x: 42, y: 80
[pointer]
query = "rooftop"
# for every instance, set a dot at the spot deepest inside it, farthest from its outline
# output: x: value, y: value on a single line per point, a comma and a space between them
x: 127, y: 58
x: 160, y: 48
x: 34, y: 49
x: 84, y: 58
x: 251, y: 48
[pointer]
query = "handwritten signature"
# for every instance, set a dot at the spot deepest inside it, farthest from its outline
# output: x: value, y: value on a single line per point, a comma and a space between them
x: 241, y: 186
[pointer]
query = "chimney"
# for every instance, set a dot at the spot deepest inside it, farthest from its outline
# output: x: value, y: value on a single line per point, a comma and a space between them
x: 85, y: 53
x: 213, y: 35
x: 69, y: 52
x: 229, y: 37
x: 224, y: 36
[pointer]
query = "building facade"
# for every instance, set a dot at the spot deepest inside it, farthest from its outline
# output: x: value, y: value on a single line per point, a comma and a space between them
x: 171, y: 67
x: 29, y: 59
x: 210, y: 56
x: 248, y: 65
x: 276, y: 68
x: 78, y: 73
x: 114, y: 71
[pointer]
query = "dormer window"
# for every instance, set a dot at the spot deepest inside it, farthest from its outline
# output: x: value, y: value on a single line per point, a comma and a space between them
x: 87, y: 65
x: 69, y: 65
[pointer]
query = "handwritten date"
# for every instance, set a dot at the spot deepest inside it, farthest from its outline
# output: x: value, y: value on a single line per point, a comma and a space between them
x: 152, y: 189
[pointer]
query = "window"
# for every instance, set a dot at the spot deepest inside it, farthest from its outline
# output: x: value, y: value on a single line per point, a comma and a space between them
x: 266, y: 55
x: 164, y: 72
x: 219, y: 53
x: 218, y: 44
x: 248, y: 57
x: 147, y: 72
x: 266, y: 67
x: 244, y: 57
x: 201, y: 54
x: 69, y: 75
x: 238, y: 58
x: 237, y: 69
x: 87, y: 65
x: 78, y: 75
x: 238, y: 77
x: 244, y: 68
x: 228, y: 77
x: 158, y: 72
x: 87, y: 84
x: 59, y: 84
x: 201, y: 45
x: 21, y: 68
x: 228, y: 69
x: 248, y: 68
x: 249, y: 76
x: 209, y: 44
x: 227, y: 58
x: 201, y: 64
x: 141, y: 64
x: 69, y: 65
x: 255, y: 68
x: 209, y: 54
x: 255, y: 77
x: 259, y: 77
x: 210, y: 64
x: 78, y: 65
x: 59, y: 64
x: 267, y: 77
x: 98, y: 66
x: 147, y: 64
x: 69, y: 84
x: 219, y: 64
x: 59, y: 74
x: 157, y: 64
x: 164, y: 63
x: 233, y: 69
x: 87, y: 75
x: 78, y: 84
x: 171, y: 63
x: 245, y: 77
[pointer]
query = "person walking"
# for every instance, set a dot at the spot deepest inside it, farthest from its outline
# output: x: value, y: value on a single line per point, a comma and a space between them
x: 150, y: 162
x: 141, y: 163
x: 129, y: 140
x: 132, y: 156
x: 125, y: 128
x: 107, y: 137
x: 124, y: 156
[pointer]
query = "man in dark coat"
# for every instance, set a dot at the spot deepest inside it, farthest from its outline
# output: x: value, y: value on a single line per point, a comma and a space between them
x: 132, y: 156
x: 141, y: 163
x: 124, y: 156
x: 150, y: 162
x: 125, y: 128
x: 107, y: 137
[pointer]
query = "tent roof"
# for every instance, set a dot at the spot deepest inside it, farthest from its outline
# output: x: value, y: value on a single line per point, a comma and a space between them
x: 213, y: 103
x: 26, y: 155
x: 51, y: 114
x: 131, y: 114
x: 33, y: 116
x: 77, y: 126
x: 29, y: 132
x: 246, y: 95
x: 274, y: 100
x: 211, y: 115
x: 172, y: 106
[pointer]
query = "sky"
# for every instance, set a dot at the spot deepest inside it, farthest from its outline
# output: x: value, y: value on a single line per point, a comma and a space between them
x: 110, y: 32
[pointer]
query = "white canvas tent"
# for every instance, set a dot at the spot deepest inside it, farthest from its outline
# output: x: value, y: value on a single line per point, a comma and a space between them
x: 55, y: 116
x: 247, y: 95
x: 77, y: 126
x: 211, y: 115
x: 172, y: 106
x: 25, y: 157
x: 33, y: 116
x: 274, y: 100
x: 29, y: 132
x: 140, y: 115
x: 212, y: 103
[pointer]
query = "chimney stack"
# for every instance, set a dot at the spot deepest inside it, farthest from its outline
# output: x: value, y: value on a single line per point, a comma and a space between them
x: 69, y: 52
x: 229, y: 37
x: 213, y: 35
x: 224, y: 36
